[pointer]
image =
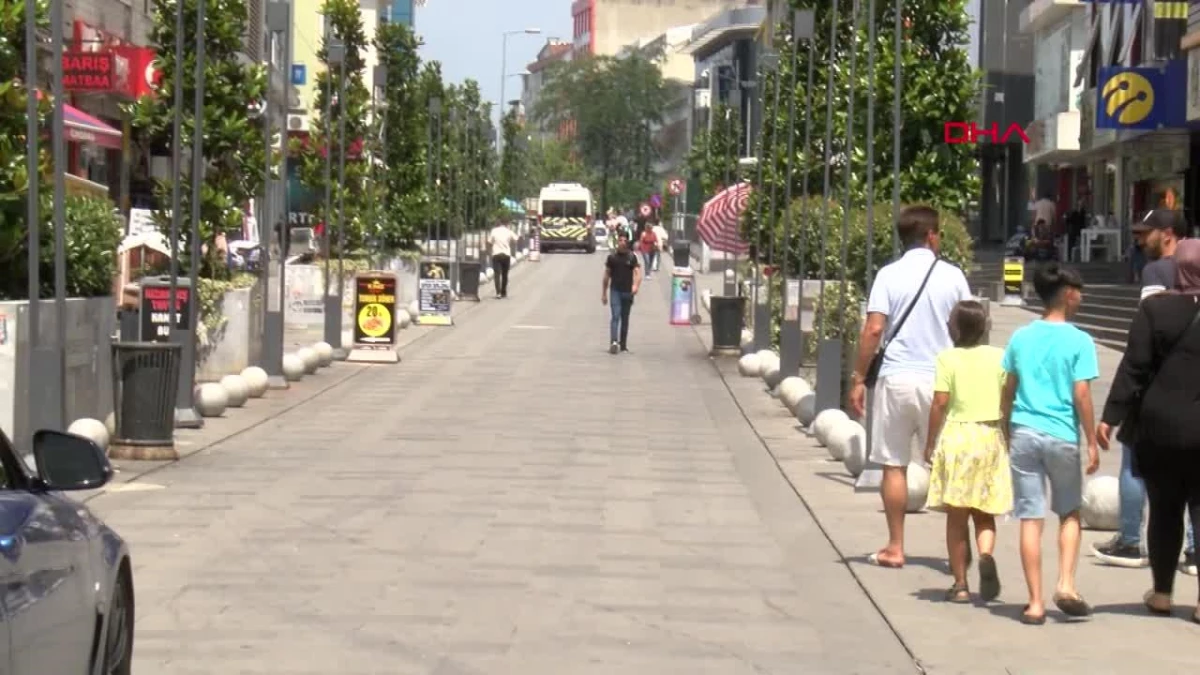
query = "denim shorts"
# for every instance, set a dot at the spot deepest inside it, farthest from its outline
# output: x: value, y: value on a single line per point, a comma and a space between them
x: 1035, y: 457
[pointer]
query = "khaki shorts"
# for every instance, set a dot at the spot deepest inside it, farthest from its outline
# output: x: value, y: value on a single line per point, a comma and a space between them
x: 900, y: 418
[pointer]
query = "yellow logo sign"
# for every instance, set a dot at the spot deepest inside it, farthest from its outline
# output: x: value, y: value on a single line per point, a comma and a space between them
x: 436, y: 272
x: 1128, y: 97
x: 374, y: 320
x: 375, y: 286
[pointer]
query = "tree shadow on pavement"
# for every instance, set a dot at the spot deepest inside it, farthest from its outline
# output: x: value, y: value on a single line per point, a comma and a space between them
x: 840, y: 478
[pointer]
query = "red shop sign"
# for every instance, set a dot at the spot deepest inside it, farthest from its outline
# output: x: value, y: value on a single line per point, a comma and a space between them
x: 84, y: 71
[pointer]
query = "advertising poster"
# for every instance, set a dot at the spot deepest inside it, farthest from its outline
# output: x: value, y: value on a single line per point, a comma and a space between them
x: 155, y: 311
x: 434, y: 293
x: 682, y: 290
x: 375, y: 309
x: 1014, y: 279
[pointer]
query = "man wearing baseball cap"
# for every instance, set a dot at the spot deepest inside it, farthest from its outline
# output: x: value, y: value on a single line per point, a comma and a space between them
x: 1158, y: 233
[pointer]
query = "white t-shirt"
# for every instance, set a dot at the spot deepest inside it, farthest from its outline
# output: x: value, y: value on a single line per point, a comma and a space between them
x: 925, y: 333
x: 501, y: 238
x: 661, y: 233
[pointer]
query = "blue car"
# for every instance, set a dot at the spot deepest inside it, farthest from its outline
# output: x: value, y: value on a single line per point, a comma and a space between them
x: 66, y: 582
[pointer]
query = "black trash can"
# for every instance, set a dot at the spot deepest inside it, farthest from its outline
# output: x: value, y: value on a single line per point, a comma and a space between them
x: 145, y: 386
x: 727, y: 313
x: 682, y: 253
x: 468, y: 280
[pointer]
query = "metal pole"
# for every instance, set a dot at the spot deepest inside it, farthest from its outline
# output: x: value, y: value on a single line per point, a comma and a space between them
x: 331, y: 313
x: 176, y: 189
x: 848, y: 154
x: 40, y: 358
x: 265, y: 214
x: 897, y: 75
x: 871, y: 34
x: 761, y: 337
x: 187, y: 417
x: 57, y: 417
x: 338, y: 352
x: 774, y: 129
x: 435, y: 106
x: 275, y: 203
x: 789, y: 329
x: 825, y: 194
x: 503, y: 103
x: 803, y: 272
x: 731, y: 151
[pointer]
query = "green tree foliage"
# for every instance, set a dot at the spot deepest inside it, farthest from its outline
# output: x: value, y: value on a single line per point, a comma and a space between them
x: 405, y: 133
x: 515, y: 178
x: 714, y: 153
x: 233, y: 136
x: 938, y: 84
x: 612, y: 104
x: 324, y: 142
x: 552, y: 160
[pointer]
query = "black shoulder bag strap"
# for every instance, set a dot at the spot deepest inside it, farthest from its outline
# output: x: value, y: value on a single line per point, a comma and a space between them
x: 872, y: 374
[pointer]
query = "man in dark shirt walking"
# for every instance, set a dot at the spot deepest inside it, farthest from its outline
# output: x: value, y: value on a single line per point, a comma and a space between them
x: 622, y: 276
x: 1159, y: 234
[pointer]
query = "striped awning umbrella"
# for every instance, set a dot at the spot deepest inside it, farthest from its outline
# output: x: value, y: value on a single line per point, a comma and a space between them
x: 720, y: 220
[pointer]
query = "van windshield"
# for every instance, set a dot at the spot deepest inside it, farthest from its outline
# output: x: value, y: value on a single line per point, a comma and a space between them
x: 564, y: 209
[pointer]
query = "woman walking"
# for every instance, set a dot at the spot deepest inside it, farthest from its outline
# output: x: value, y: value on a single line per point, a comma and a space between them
x: 1155, y: 400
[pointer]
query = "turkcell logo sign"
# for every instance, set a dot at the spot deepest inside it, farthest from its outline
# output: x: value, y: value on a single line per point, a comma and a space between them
x: 299, y: 74
x: 969, y: 132
x: 1151, y: 97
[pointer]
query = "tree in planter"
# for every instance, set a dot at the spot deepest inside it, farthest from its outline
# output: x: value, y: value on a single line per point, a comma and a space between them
x: 514, y: 164
x: 405, y: 129
x: 233, y: 136
x: 324, y: 139
x: 714, y: 153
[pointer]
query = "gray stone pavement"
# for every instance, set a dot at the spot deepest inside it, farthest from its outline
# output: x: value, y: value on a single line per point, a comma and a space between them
x: 951, y: 639
x: 509, y: 499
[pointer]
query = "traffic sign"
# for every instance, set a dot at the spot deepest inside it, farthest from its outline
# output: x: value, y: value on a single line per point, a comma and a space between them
x: 645, y: 210
x: 675, y: 187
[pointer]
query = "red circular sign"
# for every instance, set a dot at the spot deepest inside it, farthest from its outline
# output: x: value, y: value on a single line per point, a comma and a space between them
x: 645, y: 209
x: 676, y: 186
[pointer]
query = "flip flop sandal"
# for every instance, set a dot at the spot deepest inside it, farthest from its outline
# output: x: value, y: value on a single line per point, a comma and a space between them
x: 875, y: 560
x: 1031, y: 620
x: 1072, y: 605
x: 1156, y: 610
x: 959, y: 595
x: 989, y: 578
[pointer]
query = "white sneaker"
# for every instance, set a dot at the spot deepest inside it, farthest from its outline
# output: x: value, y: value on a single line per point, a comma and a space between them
x: 614, y: 348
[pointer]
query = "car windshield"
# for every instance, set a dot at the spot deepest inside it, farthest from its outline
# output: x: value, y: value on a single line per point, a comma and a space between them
x: 564, y: 209
x: 600, y: 231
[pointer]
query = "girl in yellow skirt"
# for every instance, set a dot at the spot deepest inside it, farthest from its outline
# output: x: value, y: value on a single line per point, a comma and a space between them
x: 969, y: 475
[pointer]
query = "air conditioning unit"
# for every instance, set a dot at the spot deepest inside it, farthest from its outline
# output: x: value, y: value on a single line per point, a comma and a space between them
x: 297, y: 123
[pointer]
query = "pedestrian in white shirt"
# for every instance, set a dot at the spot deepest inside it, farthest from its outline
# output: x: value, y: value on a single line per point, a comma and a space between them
x: 501, y: 240
x: 908, y: 314
x: 661, y: 233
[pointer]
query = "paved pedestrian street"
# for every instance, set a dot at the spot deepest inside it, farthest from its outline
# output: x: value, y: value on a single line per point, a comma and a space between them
x: 509, y: 499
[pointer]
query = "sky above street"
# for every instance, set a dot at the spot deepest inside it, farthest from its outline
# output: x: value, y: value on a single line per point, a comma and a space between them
x: 465, y: 36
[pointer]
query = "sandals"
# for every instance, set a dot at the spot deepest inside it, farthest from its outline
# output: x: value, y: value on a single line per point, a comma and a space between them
x: 958, y: 594
x: 1031, y: 620
x: 875, y: 560
x: 1157, y: 609
x: 1072, y: 605
x: 989, y: 578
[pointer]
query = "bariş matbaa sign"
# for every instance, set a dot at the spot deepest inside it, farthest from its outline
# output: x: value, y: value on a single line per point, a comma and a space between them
x: 434, y: 293
x: 375, y: 309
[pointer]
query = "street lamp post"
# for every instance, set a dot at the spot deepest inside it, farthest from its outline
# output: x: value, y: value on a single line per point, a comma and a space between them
x: 504, y: 68
x: 379, y: 109
x: 332, y: 306
x: 433, y: 168
x: 279, y: 22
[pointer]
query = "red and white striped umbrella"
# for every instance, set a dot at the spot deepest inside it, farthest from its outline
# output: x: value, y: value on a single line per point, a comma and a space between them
x: 720, y: 218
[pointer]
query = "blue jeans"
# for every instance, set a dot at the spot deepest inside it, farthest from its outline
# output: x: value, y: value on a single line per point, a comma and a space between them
x: 648, y: 260
x: 1133, y: 500
x: 620, y: 302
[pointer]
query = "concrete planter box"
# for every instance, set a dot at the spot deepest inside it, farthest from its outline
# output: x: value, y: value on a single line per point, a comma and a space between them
x: 237, y: 344
x: 305, y: 296
x: 91, y: 323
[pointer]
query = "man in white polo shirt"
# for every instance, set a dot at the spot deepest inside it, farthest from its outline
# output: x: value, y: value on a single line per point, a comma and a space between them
x: 904, y: 390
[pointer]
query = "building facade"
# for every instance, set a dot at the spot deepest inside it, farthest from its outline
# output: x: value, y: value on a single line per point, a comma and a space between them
x: 605, y: 27
x: 534, y: 79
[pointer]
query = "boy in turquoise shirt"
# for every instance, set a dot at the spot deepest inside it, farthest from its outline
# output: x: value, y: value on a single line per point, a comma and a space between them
x: 1047, y: 398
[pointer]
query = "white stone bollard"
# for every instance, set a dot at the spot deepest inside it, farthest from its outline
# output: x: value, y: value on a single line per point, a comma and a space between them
x: 791, y: 390
x: 730, y: 275
x: 771, y: 373
x: 706, y: 299
x: 749, y: 365
x: 1102, y: 504
x: 918, y: 487
x: 237, y: 390
x: 324, y: 352
x: 855, y: 459
x: 310, y: 360
x: 842, y: 436
x: 806, y: 409
x: 257, y: 381
x: 490, y: 273
x: 414, y: 309
x: 293, y: 367
x: 211, y: 400
x: 824, y: 423
x: 403, y: 319
x: 91, y: 429
x: 110, y: 423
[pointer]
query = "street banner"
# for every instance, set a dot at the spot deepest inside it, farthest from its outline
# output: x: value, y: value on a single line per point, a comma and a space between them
x: 375, y: 309
x: 434, y: 293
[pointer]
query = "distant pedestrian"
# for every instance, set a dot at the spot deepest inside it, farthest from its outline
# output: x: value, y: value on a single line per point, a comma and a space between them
x: 1047, y: 398
x: 967, y: 451
x: 648, y: 246
x: 910, y: 301
x: 1155, y: 400
x: 622, y: 277
x: 661, y: 233
x: 1158, y: 234
x: 501, y: 240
